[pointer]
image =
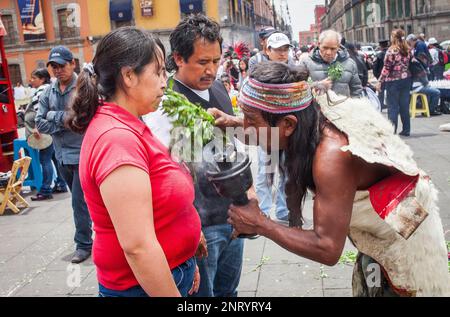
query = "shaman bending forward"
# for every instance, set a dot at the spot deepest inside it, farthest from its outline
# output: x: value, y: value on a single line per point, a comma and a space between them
x: 365, y: 183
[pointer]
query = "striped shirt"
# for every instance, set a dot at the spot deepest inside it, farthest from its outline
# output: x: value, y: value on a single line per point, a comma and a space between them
x: 36, y: 95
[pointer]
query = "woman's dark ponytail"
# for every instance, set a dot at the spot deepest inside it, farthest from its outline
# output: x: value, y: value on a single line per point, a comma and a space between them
x: 123, y: 47
x: 85, y: 102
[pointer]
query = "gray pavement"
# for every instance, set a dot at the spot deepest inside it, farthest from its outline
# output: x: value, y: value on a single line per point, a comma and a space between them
x: 36, y: 245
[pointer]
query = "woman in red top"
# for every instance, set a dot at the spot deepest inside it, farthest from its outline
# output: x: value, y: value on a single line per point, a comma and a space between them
x: 141, y: 202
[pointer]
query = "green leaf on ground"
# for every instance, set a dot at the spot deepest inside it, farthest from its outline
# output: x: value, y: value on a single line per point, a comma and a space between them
x: 322, y: 272
x: 263, y: 261
x: 349, y: 257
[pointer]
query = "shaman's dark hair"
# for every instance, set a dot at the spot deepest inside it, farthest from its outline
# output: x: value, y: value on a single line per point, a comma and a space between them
x: 190, y: 29
x: 42, y: 73
x: 123, y: 47
x: 299, y: 156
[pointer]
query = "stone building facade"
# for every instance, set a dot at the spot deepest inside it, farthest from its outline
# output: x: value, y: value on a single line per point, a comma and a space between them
x: 368, y: 21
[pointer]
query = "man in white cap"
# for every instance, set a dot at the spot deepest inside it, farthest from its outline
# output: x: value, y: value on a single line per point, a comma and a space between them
x: 436, y: 69
x: 278, y: 47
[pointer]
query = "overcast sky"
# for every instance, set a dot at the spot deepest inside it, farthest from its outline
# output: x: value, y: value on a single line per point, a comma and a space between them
x: 302, y: 14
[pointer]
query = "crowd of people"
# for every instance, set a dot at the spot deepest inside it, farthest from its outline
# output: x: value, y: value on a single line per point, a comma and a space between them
x: 161, y: 228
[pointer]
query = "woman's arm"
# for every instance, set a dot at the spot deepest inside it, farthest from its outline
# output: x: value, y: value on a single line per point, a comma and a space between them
x: 127, y: 195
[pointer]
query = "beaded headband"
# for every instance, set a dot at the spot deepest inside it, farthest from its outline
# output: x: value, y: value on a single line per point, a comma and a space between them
x: 276, y: 98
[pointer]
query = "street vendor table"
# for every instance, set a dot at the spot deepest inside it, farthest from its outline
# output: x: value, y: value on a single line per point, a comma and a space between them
x: 444, y: 88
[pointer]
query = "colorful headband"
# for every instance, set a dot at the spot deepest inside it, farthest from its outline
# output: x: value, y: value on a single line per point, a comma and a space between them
x: 276, y: 98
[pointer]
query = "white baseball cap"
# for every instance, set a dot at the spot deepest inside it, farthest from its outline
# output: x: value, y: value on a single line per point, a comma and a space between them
x: 277, y: 40
x: 432, y: 40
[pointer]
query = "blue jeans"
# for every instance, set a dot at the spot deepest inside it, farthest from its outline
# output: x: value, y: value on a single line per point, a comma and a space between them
x: 263, y: 188
x: 82, y: 219
x: 433, y: 96
x: 45, y: 158
x: 220, y: 271
x: 397, y: 94
x: 183, y: 275
x: 59, y: 182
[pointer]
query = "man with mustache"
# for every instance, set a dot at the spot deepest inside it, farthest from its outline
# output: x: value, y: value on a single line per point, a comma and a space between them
x: 196, y: 46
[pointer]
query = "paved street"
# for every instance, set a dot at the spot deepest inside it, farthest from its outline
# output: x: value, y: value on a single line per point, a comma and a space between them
x: 36, y: 245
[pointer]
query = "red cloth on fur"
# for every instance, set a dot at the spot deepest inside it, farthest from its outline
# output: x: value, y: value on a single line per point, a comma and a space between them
x: 388, y: 193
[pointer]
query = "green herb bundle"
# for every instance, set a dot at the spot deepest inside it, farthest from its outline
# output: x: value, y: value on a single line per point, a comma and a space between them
x: 187, y: 115
x: 335, y: 71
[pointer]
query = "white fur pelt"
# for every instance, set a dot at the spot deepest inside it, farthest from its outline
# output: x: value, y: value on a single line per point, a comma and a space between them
x: 370, y: 135
x: 418, y: 264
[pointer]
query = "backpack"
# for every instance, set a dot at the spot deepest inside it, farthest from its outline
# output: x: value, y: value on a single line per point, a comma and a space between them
x: 444, y: 57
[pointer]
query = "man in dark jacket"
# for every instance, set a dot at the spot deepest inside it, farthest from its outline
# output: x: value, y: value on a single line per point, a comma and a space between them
x: 328, y: 54
x: 379, y: 59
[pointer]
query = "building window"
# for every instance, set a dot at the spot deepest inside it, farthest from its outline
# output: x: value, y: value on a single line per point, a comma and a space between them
x: 382, y: 4
x: 359, y: 36
x: 420, y: 6
x: 233, y: 10
x: 11, y: 37
x: 350, y: 36
x: 348, y: 19
x: 407, y: 8
x: 381, y: 33
x: 409, y: 29
x: 66, y: 31
x: 370, y: 35
x: 393, y: 9
x: 245, y: 14
x: 14, y: 74
x: 358, y: 14
x: 399, y: 8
